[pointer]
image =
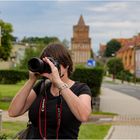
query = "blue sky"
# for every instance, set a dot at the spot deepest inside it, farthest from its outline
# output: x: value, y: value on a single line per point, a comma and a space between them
x: 107, y: 19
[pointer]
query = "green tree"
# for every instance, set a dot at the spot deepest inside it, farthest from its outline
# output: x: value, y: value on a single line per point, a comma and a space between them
x: 36, y: 46
x: 91, y: 53
x: 112, y: 47
x: 66, y: 43
x: 39, y: 40
x: 6, y: 46
x: 115, y: 66
x: 29, y: 53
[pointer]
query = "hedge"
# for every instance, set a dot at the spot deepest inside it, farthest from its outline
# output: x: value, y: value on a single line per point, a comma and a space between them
x: 92, y: 76
x: 12, y: 76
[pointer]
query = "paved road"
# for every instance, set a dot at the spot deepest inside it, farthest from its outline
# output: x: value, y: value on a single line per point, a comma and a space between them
x: 132, y: 90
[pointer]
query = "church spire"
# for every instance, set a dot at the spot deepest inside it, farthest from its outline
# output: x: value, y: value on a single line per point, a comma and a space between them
x: 81, y: 21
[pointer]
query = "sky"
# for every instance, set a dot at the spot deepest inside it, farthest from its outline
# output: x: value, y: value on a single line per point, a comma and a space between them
x: 107, y: 19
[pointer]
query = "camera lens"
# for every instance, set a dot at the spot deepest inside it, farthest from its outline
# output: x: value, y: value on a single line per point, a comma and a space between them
x: 35, y: 65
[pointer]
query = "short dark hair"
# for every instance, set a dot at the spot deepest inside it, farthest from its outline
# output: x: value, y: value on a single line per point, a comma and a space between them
x: 60, y: 53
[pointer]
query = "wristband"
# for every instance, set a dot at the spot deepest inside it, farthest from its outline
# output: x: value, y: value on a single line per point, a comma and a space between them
x: 63, y: 87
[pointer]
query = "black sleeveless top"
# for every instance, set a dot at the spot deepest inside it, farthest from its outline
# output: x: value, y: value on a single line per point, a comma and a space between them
x: 69, y: 126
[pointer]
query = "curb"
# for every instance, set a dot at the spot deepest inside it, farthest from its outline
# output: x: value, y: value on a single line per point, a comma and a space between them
x: 110, y: 132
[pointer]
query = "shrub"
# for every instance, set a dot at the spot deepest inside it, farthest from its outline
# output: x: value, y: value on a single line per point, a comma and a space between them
x: 92, y: 76
x: 3, y: 136
x: 12, y: 76
x: 125, y: 75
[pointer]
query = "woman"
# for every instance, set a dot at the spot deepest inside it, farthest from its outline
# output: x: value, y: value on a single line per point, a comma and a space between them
x: 58, y: 113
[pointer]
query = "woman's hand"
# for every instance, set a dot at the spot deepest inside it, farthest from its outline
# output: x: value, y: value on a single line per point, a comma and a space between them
x: 54, y: 75
x: 33, y: 76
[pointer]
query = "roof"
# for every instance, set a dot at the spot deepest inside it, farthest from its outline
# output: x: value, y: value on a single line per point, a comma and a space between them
x: 81, y: 21
x: 129, y: 42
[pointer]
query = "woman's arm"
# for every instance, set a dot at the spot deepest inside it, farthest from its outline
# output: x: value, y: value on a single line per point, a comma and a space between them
x: 80, y: 106
x: 23, y: 99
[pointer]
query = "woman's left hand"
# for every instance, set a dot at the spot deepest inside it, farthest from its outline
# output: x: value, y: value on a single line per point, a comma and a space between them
x: 54, y: 75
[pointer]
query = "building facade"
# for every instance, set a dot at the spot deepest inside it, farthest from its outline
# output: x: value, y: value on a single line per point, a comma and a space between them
x: 80, y: 43
x: 129, y: 54
x: 138, y: 61
x: 16, y: 55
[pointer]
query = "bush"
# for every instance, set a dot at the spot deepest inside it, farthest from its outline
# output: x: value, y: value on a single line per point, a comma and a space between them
x: 92, y: 76
x: 12, y: 76
x: 125, y: 75
x: 3, y: 136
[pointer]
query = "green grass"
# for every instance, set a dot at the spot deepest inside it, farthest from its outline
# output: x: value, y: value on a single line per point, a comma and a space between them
x: 8, y: 91
x: 11, y: 128
x: 93, y: 131
x: 4, y: 105
x: 103, y: 113
x: 87, y: 131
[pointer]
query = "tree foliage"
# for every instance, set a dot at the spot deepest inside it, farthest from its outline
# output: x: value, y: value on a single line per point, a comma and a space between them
x: 36, y: 46
x: 112, y: 47
x: 39, y: 40
x: 6, y: 38
x: 115, y: 66
x: 66, y: 43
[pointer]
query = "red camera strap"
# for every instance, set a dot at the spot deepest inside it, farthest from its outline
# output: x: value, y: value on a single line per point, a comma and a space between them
x: 42, y: 118
x: 43, y: 115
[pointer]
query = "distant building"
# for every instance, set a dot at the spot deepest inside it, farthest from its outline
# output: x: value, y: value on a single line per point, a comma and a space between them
x: 102, y: 49
x: 128, y: 53
x: 138, y: 61
x: 17, y: 54
x: 80, y: 43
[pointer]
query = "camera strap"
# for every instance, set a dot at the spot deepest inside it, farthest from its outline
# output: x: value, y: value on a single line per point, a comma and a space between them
x: 43, y: 112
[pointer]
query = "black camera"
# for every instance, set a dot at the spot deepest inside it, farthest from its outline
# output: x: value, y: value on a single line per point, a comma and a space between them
x: 37, y: 65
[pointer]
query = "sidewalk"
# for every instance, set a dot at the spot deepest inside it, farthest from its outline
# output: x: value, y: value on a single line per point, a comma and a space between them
x: 127, y: 123
x: 6, y: 118
x: 120, y: 82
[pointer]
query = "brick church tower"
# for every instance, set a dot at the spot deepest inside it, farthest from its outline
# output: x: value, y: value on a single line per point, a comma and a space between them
x: 80, y: 43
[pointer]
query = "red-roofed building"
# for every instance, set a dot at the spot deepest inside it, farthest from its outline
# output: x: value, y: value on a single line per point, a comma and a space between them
x: 102, y: 49
x: 127, y: 53
x: 138, y: 61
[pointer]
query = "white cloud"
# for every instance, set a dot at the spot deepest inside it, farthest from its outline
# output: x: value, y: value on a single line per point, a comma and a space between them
x: 108, y: 7
x: 115, y: 24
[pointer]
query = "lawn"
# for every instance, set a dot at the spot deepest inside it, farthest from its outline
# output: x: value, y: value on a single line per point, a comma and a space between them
x: 87, y: 131
x: 93, y: 131
x: 7, y: 92
x: 11, y: 128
